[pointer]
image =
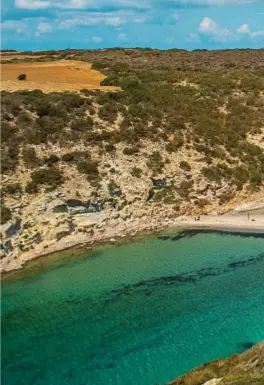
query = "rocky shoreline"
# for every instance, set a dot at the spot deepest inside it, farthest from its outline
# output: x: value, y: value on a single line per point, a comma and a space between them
x: 114, y: 230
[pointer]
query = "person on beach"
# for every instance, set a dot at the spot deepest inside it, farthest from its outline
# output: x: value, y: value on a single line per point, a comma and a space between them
x: 248, y: 216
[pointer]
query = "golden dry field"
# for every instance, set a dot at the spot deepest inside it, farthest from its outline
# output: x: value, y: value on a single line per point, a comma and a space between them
x: 54, y: 76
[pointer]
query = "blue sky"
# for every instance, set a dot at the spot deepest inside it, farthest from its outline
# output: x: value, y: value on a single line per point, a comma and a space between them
x: 189, y: 24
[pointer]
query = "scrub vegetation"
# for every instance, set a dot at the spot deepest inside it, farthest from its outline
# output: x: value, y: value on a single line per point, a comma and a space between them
x: 203, y: 104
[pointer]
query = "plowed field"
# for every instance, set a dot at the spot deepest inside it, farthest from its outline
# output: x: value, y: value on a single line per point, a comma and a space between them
x: 54, y: 76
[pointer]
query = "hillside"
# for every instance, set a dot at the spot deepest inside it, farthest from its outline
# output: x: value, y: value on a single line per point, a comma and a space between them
x: 182, y: 133
x: 244, y: 369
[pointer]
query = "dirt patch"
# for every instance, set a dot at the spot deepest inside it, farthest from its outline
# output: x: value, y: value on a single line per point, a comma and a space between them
x: 55, y: 76
x: 16, y: 55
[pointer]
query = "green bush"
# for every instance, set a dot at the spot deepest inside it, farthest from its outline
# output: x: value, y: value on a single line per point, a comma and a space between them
x: 130, y: 150
x: 13, y: 189
x: 51, y: 160
x: 108, y: 112
x: 185, y: 165
x: 136, y: 172
x: 5, y: 214
x: 226, y: 197
x: 47, y: 176
x: 31, y: 188
x: 212, y: 173
x: 22, y: 77
x: 29, y: 157
x: 89, y: 168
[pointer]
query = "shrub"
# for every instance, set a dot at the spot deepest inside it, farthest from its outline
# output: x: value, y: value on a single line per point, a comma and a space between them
x: 89, y: 168
x: 52, y: 159
x: 185, y: 165
x: 185, y: 188
x: 174, y: 145
x: 22, y: 77
x: 72, y: 101
x: 13, y: 189
x: 5, y: 214
x: 68, y: 157
x: 108, y: 112
x: 24, y: 118
x: 43, y: 108
x: 226, y: 197
x: 136, y: 172
x: 202, y: 202
x: 212, y: 173
x: 49, y: 176
x: 110, y: 147
x: 82, y: 124
x: 130, y: 150
x: 31, y: 188
x: 30, y: 158
x: 155, y: 162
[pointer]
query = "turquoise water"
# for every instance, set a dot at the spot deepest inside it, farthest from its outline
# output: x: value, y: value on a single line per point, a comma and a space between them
x: 140, y: 313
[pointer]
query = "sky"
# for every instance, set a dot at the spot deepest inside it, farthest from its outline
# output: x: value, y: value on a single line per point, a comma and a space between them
x: 163, y: 24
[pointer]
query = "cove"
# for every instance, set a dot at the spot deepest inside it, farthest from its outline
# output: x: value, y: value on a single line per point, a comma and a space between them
x: 141, y: 313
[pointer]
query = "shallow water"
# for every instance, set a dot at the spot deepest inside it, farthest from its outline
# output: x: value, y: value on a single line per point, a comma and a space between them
x: 140, y: 313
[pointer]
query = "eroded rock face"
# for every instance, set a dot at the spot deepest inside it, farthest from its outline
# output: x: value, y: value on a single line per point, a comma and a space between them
x: 63, y: 229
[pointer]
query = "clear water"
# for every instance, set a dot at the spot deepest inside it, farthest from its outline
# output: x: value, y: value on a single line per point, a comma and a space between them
x: 140, y: 313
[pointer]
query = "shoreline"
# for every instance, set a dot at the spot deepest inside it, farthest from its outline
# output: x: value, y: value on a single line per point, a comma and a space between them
x: 238, y: 222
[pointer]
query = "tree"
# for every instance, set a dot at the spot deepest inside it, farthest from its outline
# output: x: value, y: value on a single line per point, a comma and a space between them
x: 22, y: 77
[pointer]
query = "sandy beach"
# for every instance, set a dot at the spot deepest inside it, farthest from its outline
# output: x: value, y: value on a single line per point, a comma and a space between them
x: 126, y: 230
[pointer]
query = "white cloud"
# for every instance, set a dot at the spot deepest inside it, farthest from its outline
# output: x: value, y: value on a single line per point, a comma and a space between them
x: 245, y: 30
x: 257, y: 33
x: 14, y: 25
x: 207, y: 25
x: 79, y: 4
x: 219, y: 2
x: 210, y: 28
x: 32, y: 4
x: 97, y: 39
x: 41, y: 4
x: 43, y: 28
x: 122, y: 37
x: 175, y: 16
x: 92, y: 19
x: 114, y: 21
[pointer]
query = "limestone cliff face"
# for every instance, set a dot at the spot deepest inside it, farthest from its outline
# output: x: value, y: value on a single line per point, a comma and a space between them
x: 244, y: 369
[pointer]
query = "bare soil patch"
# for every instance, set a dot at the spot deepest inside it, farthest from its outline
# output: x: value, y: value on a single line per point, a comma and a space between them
x: 55, y: 76
x: 17, y: 55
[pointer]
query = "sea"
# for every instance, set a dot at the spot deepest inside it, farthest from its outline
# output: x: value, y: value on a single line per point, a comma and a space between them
x: 142, y: 312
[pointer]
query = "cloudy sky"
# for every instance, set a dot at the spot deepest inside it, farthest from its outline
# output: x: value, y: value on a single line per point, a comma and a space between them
x: 189, y: 24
